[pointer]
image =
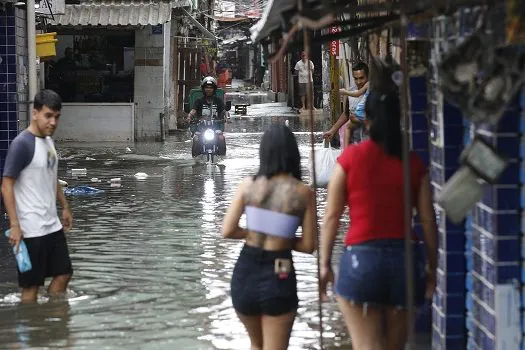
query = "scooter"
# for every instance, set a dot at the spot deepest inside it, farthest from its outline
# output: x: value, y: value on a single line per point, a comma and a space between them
x: 208, y: 136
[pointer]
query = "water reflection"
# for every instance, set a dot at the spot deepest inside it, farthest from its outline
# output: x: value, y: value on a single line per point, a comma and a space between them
x: 37, y: 325
x: 151, y: 270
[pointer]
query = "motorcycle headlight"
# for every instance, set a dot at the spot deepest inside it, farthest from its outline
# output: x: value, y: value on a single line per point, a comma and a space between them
x: 209, y: 135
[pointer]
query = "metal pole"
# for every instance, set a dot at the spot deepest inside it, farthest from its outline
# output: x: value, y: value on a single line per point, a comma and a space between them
x: 409, y: 256
x: 31, y: 54
x: 309, y: 98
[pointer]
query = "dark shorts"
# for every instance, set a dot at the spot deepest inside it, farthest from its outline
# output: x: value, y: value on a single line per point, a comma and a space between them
x: 255, y: 287
x: 303, y: 88
x: 373, y: 273
x: 49, y: 257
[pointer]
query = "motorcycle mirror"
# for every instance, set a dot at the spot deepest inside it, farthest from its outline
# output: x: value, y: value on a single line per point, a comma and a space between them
x: 228, y: 105
x: 186, y: 107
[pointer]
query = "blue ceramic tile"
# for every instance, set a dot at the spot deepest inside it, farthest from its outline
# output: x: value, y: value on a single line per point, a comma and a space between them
x: 440, y: 175
x: 497, y: 248
x: 425, y: 156
x: 419, y: 102
x: 483, y: 291
x: 447, y: 156
x: 509, y: 122
x: 451, y: 240
x: 450, y: 282
x: 508, y: 145
x: 418, y: 121
x: 449, y: 303
x: 452, y: 262
x: 452, y: 115
x: 495, y: 273
x: 451, y: 325
x: 484, y: 316
x: 511, y: 175
x: 11, y: 78
x: 417, y: 84
x: 482, y: 340
x: 497, y: 223
x: 452, y: 135
x: 419, y: 140
x: 469, y: 281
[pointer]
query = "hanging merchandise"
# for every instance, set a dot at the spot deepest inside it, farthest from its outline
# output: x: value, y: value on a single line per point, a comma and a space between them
x: 481, y: 165
x: 515, y: 20
x: 461, y: 68
x: 500, y: 84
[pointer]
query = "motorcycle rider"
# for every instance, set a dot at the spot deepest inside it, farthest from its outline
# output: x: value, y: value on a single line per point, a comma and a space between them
x: 204, y: 107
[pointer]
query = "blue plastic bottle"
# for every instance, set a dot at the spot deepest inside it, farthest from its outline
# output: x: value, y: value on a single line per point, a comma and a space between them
x: 22, y: 257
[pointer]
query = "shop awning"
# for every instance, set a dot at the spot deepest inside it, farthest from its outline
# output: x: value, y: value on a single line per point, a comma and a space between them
x: 271, y: 18
x: 118, y: 13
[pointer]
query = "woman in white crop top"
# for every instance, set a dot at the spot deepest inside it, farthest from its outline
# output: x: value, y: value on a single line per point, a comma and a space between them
x: 263, y: 286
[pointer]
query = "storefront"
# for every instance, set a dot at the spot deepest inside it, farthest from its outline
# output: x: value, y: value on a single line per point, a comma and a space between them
x: 112, y: 70
x: 96, y: 65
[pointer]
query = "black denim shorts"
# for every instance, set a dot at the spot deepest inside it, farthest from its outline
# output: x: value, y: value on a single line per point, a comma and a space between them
x: 49, y: 256
x: 373, y: 273
x: 256, y: 287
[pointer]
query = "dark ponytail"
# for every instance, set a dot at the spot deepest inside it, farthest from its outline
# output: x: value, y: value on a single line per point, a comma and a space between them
x: 382, y: 108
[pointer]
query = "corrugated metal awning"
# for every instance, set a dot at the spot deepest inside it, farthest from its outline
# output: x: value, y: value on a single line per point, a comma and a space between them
x: 117, y: 13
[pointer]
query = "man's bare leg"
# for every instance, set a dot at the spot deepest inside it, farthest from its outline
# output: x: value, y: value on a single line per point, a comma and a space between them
x: 29, y: 295
x: 58, y: 285
x: 303, y: 103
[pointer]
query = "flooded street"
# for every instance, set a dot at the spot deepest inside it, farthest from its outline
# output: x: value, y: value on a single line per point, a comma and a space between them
x: 151, y: 269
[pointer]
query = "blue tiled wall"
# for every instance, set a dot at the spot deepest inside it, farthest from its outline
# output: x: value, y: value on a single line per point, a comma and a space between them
x: 419, y: 143
x: 8, y: 87
x: 494, y: 234
x: 446, y: 144
x: 448, y: 309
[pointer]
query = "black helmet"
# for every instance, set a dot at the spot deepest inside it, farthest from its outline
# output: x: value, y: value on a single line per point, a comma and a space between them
x: 207, y: 81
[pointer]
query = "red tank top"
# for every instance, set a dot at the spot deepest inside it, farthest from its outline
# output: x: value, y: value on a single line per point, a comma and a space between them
x: 374, y: 184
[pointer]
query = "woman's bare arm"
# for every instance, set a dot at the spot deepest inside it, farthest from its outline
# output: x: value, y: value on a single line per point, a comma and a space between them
x: 308, y: 241
x: 230, y: 224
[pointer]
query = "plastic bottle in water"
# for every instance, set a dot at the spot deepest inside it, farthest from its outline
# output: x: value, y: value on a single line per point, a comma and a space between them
x: 22, y: 257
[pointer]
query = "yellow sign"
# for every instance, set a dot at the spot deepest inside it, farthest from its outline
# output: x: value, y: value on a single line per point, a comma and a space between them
x: 46, y: 45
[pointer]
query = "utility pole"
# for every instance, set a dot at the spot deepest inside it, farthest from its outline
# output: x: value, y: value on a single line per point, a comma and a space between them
x: 334, y: 89
x: 31, y: 55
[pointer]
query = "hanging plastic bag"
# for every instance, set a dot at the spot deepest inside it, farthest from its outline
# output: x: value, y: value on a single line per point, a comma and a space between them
x: 325, y: 161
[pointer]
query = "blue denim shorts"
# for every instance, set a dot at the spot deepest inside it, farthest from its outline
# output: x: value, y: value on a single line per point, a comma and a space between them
x: 373, y: 273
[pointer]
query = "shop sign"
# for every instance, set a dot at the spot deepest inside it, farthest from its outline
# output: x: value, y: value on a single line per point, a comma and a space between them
x: 156, y: 29
x: 334, y: 44
x: 48, y: 7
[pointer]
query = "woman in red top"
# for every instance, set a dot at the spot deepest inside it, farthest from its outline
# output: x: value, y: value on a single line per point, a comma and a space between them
x: 371, y: 282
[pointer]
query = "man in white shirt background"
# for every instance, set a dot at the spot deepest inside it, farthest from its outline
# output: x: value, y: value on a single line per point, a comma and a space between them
x: 305, y: 76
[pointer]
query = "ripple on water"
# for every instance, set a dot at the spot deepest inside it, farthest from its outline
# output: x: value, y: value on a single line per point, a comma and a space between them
x: 151, y: 270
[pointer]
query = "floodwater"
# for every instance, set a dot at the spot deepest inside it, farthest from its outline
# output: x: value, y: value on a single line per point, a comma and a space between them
x: 151, y: 270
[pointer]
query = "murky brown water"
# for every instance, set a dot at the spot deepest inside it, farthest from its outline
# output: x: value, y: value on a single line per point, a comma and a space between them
x: 151, y: 270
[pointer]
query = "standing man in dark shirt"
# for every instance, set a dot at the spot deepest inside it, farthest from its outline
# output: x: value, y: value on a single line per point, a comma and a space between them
x: 66, y: 71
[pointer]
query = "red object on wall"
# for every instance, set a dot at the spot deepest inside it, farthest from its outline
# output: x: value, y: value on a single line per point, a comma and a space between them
x: 334, y: 44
